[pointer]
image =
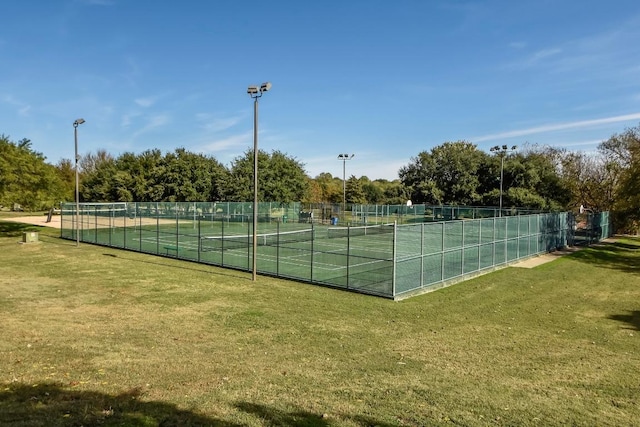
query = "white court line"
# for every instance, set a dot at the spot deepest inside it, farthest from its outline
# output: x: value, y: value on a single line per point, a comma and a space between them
x: 172, y: 242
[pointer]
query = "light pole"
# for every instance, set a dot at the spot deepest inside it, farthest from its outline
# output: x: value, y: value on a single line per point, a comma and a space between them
x: 256, y: 92
x: 75, y: 137
x: 344, y: 158
x: 502, y: 152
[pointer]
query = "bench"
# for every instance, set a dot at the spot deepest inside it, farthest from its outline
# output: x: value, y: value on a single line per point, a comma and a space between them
x: 171, y: 248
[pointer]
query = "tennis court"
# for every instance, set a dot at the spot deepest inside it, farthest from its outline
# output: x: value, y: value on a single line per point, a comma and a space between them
x: 387, y: 260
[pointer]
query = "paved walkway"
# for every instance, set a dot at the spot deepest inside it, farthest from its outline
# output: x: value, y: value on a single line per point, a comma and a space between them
x: 545, y: 258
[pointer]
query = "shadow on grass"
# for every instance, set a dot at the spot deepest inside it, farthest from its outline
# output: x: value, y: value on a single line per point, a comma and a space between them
x: 46, y: 234
x: 617, y: 255
x: 272, y: 416
x: 53, y: 405
x: 276, y: 417
x: 188, y: 264
x: 15, y: 229
x: 632, y: 319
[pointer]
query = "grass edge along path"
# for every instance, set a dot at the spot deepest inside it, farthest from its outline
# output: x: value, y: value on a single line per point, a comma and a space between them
x: 94, y: 335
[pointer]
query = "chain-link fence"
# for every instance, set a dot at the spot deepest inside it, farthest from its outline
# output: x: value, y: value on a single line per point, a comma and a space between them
x: 388, y: 259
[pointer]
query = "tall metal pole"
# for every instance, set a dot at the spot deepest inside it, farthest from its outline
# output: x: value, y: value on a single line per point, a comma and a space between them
x: 502, y: 152
x: 75, y: 138
x: 344, y: 158
x: 255, y: 188
x: 501, y: 179
x: 256, y: 92
x: 344, y: 188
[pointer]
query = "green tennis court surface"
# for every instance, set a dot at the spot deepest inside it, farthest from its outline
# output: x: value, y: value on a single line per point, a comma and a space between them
x: 388, y: 260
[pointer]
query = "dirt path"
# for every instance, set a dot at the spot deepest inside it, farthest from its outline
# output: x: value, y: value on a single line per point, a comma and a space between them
x: 36, y: 220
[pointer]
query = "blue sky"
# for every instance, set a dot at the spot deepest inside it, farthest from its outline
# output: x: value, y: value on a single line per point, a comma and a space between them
x: 382, y: 79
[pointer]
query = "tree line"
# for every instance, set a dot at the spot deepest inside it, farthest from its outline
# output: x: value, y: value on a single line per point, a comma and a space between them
x: 453, y: 173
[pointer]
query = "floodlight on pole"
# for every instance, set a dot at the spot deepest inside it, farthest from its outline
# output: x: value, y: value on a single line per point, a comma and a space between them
x: 502, y: 152
x: 256, y: 92
x: 344, y: 158
x: 75, y: 138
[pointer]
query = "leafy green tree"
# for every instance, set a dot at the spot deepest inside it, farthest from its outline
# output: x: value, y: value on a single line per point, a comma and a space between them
x: 373, y: 191
x: 395, y: 193
x: 25, y: 177
x: 189, y: 177
x: 542, y: 166
x: 531, y: 179
x: 448, y: 174
x: 89, y: 162
x: 621, y: 171
x: 627, y: 204
x: 590, y: 179
x: 98, y: 182
x: 67, y: 174
x: 180, y: 176
x: 280, y: 178
x: 147, y: 171
x: 354, y: 191
x: 523, y: 197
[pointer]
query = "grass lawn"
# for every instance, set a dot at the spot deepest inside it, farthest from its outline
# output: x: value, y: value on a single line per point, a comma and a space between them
x: 99, y: 336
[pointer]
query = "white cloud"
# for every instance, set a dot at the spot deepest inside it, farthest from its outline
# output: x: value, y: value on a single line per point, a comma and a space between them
x: 132, y: 73
x: 216, y: 124
x: 536, y: 58
x: 579, y: 144
x: 153, y: 123
x: 145, y: 102
x: 555, y: 127
x: 127, y: 119
x: 608, y: 50
x: 149, y: 101
x: 23, y: 108
x: 235, y: 141
x: 545, y: 53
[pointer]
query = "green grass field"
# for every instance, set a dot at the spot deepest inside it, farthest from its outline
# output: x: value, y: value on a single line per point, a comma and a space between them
x: 100, y: 336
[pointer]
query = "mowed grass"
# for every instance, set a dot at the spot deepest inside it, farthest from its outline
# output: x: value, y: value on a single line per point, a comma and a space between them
x: 98, y: 336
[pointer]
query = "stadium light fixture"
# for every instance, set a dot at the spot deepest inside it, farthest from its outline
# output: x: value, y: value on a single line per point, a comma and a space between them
x: 256, y: 92
x: 502, y: 152
x: 77, y: 123
x: 344, y: 158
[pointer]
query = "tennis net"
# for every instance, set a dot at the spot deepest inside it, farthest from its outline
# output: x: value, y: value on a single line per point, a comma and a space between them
x: 361, y: 230
x: 222, y: 243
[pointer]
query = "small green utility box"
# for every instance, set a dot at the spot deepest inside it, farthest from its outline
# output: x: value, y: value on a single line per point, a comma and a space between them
x: 29, y: 237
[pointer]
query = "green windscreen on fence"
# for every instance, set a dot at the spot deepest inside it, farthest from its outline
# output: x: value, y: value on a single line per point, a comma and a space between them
x: 385, y: 259
x: 452, y: 250
x: 358, y: 258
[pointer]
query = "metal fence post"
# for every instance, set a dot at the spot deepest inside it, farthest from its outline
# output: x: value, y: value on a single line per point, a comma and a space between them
x: 395, y: 259
x: 421, y: 255
x: 157, y: 229
x: 313, y: 236
x: 348, y: 252
x: 462, y: 250
x: 442, y: 248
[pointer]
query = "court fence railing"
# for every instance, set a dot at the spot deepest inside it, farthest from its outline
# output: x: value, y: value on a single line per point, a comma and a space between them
x: 391, y: 260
